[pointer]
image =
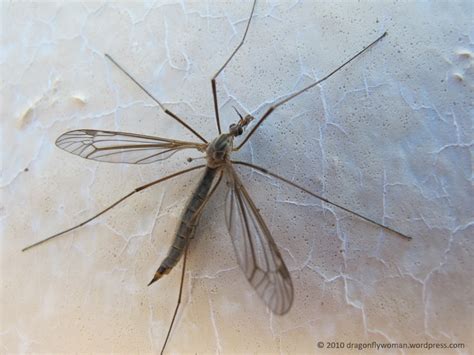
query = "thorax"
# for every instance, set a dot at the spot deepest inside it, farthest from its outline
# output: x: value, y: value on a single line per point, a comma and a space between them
x: 218, y: 151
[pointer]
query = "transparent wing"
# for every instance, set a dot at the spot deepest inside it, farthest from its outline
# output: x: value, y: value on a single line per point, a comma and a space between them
x: 121, y: 147
x: 256, y: 251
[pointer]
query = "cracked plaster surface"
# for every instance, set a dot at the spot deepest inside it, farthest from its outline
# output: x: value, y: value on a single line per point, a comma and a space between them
x: 390, y: 136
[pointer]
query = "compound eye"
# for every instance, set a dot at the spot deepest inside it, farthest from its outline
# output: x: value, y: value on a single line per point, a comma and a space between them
x: 241, y: 130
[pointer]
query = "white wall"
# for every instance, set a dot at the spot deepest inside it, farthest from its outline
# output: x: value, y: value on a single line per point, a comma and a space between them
x: 389, y: 137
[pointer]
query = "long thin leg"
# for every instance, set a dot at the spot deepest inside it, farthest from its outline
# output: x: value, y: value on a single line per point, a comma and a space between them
x: 179, y: 300
x: 213, y: 80
x: 266, y: 172
x: 168, y: 112
x: 194, y: 222
x: 138, y: 189
x: 292, y: 96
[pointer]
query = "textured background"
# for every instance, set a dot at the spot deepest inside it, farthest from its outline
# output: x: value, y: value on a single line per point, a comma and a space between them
x: 390, y: 136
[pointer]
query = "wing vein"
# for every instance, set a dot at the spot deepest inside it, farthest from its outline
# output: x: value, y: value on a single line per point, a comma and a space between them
x: 256, y: 251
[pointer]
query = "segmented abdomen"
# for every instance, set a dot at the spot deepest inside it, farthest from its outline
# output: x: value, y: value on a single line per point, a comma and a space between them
x: 188, y: 222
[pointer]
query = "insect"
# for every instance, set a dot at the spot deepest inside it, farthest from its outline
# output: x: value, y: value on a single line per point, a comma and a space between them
x: 256, y: 251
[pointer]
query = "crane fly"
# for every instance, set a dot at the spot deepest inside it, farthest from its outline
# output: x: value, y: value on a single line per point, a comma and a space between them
x: 256, y: 251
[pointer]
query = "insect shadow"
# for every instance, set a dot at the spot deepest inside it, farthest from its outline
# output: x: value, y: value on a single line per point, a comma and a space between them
x: 257, y: 253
